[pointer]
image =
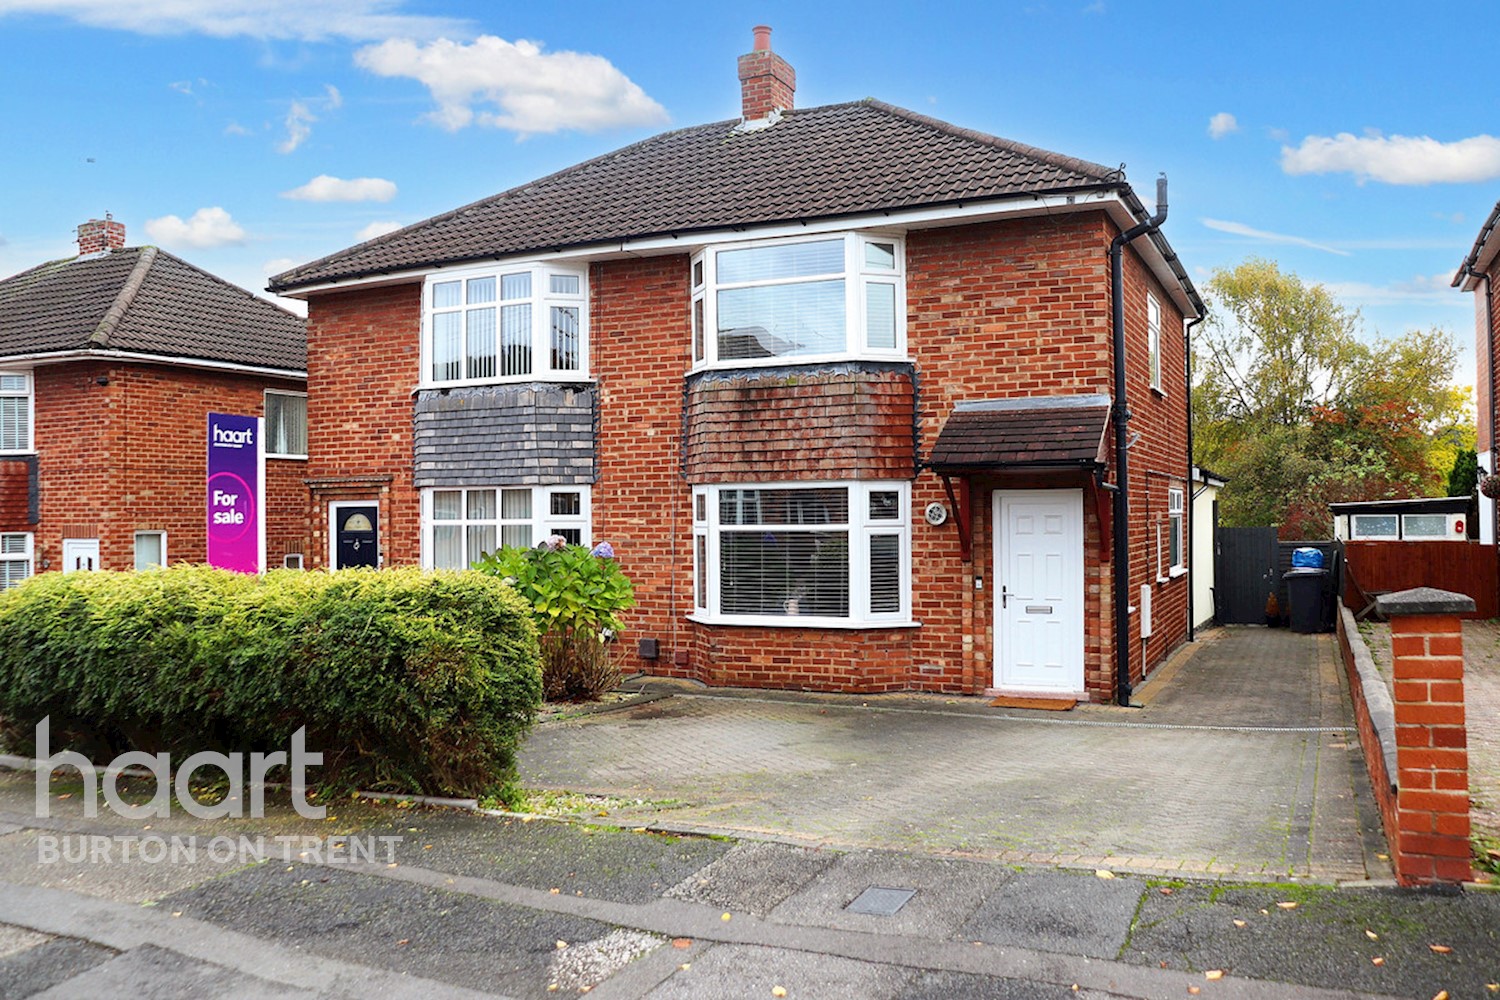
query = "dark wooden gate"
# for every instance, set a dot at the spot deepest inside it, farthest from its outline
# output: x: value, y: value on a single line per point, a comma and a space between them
x: 1244, y: 574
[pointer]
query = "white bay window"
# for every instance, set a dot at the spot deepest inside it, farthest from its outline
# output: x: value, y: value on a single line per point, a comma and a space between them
x: 511, y: 323
x: 460, y: 525
x: 828, y: 554
x: 833, y: 297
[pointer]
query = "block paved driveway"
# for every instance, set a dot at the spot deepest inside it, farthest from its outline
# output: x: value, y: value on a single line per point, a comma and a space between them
x: 1242, y: 763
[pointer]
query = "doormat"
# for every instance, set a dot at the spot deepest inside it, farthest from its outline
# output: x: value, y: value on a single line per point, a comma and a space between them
x: 1044, y: 704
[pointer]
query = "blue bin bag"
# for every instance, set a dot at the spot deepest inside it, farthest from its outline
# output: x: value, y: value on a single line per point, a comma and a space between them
x: 1307, y: 558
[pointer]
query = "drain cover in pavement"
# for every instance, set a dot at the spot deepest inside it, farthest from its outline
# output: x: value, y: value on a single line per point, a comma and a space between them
x: 880, y: 901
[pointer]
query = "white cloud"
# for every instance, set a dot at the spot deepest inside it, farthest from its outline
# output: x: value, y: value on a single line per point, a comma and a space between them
x: 208, y: 227
x: 235, y: 128
x: 1240, y: 229
x: 1423, y: 289
x: 1396, y: 159
x: 300, y: 116
x: 377, y: 228
x: 356, y: 20
x: 1222, y: 124
x: 529, y: 91
x: 276, y: 265
x: 326, y: 188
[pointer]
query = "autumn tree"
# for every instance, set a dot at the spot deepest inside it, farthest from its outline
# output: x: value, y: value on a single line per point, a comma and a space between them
x: 1297, y: 411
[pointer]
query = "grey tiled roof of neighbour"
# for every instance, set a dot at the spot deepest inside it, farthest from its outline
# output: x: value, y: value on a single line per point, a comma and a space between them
x: 144, y: 300
x: 824, y: 162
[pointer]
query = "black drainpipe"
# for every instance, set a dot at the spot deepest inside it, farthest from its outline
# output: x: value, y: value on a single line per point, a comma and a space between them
x: 1187, y: 357
x: 1122, y: 465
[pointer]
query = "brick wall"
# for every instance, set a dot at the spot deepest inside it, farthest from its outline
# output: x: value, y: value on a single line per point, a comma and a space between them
x: 129, y: 455
x: 363, y: 359
x: 15, y: 494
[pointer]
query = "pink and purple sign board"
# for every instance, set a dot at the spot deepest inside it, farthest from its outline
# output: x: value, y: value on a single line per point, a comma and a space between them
x: 236, y: 481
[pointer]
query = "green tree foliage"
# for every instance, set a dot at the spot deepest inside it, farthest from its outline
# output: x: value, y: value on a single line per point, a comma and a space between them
x: 1297, y: 411
x: 1463, y: 478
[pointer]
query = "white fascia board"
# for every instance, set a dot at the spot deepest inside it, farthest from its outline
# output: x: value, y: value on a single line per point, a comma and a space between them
x: 61, y: 357
x: 898, y: 219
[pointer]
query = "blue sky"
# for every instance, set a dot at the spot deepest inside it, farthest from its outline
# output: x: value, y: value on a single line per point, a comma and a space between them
x: 1354, y: 143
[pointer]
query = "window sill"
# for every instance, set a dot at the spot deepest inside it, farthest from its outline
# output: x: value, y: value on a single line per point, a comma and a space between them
x: 804, y: 621
x: 1158, y: 392
x: 734, y: 364
x: 1177, y: 571
x: 292, y: 458
x: 18, y: 454
x: 556, y: 378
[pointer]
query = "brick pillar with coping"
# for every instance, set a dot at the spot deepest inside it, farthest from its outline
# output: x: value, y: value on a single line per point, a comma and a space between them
x: 1431, y: 842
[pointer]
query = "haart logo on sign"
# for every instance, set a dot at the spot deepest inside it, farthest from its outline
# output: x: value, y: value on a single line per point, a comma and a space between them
x: 236, y: 491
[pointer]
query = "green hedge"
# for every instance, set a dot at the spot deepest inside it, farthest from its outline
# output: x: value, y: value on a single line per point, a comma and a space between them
x: 406, y: 680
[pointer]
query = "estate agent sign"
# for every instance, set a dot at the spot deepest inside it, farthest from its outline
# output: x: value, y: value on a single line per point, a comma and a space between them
x: 236, y: 493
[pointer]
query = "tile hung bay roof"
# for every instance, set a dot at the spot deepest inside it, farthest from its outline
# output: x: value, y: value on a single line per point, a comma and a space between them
x: 830, y: 161
x: 144, y: 300
x: 1047, y: 431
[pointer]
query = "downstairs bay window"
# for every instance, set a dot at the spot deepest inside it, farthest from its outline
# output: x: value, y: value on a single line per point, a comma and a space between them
x: 460, y: 525
x: 826, y: 298
x: 514, y: 323
x: 828, y: 554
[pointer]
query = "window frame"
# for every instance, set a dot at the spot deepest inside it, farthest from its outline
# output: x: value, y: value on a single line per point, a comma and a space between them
x: 27, y: 555
x: 1153, y: 342
x: 541, y: 300
x: 1176, y: 531
x: 135, y: 552
x: 29, y: 394
x: 857, y: 276
x: 707, y: 582
x: 270, y: 437
x: 1406, y: 534
x: 541, y: 523
x: 1356, y: 535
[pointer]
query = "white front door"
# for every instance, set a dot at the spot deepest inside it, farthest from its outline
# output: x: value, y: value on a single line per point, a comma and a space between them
x: 80, y: 553
x: 1039, y: 590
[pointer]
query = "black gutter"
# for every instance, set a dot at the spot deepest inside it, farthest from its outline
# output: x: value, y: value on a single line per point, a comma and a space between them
x: 1187, y: 359
x: 1122, y: 444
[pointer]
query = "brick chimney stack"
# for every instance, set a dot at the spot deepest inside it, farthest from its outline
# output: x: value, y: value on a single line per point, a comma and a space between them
x: 767, y: 81
x: 99, y: 235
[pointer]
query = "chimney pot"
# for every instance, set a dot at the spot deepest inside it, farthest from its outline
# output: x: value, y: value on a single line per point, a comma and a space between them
x: 101, y: 235
x: 767, y: 81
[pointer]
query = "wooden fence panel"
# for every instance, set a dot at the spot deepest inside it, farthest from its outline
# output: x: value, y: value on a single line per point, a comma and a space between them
x: 1462, y: 567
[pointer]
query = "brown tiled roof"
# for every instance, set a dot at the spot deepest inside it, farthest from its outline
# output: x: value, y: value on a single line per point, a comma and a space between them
x: 840, y: 159
x: 1046, y: 431
x: 145, y: 300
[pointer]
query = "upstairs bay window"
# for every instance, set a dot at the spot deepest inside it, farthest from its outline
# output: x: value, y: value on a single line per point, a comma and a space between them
x: 508, y: 324
x: 807, y: 299
x: 834, y: 554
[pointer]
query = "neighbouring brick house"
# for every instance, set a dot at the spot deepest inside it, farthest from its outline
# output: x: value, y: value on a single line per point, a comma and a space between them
x: 1477, y: 274
x: 109, y: 364
x: 796, y: 368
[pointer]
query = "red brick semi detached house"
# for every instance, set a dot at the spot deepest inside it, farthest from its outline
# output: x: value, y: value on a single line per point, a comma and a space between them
x: 110, y: 362
x: 837, y: 383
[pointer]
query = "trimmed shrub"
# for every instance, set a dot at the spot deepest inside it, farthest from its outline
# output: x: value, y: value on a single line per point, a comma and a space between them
x: 576, y: 595
x: 405, y: 680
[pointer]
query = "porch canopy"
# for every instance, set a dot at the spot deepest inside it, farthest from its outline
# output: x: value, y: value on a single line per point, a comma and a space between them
x: 1035, y: 441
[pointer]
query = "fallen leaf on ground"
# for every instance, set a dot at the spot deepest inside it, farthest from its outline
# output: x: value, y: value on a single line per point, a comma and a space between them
x: 404, y: 941
x: 685, y: 966
x: 554, y: 891
x: 1104, y: 873
x: 1441, y: 995
x: 1213, y: 974
x: 778, y: 991
x: 682, y: 942
x: 1287, y: 905
x: 561, y: 945
x: 1372, y: 935
x: 551, y: 987
x: 725, y: 918
x: 1165, y: 891
x: 1265, y: 913
x: 1492, y: 987
x: 638, y: 829
x: 1239, y: 923
x: 1194, y: 990
x: 1377, y: 960
x: 1441, y: 949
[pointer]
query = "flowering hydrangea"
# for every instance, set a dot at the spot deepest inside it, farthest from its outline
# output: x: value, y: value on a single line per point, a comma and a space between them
x: 603, y: 550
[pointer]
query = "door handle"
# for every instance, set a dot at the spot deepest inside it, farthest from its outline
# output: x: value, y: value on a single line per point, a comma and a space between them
x: 1004, y: 595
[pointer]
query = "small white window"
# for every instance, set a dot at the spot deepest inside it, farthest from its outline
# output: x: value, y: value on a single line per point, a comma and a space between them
x: 823, y: 298
x: 292, y: 560
x: 1424, y: 526
x: 1176, y: 551
x: 1153, y: 340
x: 15, y: 412
x: 461, y: 525
x: 286, y: 424
x: 1378, y: 526
x: 15, y: 558
x: 522, y: 321
x: 150, y: 549
x: 829, y: 554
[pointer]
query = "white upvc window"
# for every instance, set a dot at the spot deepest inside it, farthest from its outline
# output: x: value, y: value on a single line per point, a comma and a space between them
x: 806, y: 299
x: 150, y: 549
x: 15, y: 558
x: 460, y: 525
x: 286, y: 424
x: 518, y: 322
x: 1176, y: 550
x: 1386, y: 527
x: 1424, y: 526
x: 1153, y: 340
x: 16, y: 412
x: 804, y: 554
